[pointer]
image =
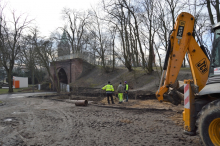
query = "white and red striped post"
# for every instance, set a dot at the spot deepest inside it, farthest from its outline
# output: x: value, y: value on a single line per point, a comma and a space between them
x: 189, y: 108
x: 186, y: 96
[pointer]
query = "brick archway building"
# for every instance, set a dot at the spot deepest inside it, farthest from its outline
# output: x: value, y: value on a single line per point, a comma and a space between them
x: 74, y: 68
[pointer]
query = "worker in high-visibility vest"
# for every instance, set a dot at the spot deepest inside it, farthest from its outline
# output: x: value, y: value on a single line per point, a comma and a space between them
x: 109, y: 90
x: 126, y: 91
x: 120, y: 92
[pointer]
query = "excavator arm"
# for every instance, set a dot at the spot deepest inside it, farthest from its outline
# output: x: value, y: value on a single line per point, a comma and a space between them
x: 182, y: 42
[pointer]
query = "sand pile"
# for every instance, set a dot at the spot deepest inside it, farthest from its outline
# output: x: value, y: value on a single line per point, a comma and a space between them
x: 157, y: 105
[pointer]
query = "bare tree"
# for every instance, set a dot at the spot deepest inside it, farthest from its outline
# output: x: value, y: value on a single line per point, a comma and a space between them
x: 112, y: 45
x: 75, y: 28
x: 47, y: 56
x: 136, y: 30
x: 100, y: 41
x: 120, y: 18
x: 213, y: 13
x: 10, y: 39
x: 150, y: 21
x: 28, y: 55
x: 174, y: 7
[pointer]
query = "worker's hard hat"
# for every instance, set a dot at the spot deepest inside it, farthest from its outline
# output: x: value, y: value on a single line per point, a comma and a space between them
x: 125, y: 82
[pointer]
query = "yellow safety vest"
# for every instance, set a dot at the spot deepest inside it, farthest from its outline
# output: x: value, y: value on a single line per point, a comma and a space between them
x: 108, y: 88
x: 126, y: 87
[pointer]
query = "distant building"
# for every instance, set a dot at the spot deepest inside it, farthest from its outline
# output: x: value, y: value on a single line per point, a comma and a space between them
x: 20, y: 82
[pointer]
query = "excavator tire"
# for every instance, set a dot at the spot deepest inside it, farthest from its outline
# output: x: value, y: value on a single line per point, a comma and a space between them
x: 208, y: 123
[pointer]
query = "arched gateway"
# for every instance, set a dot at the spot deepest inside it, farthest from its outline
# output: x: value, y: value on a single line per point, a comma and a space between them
x: 62, y: 76
x: 69, y: 70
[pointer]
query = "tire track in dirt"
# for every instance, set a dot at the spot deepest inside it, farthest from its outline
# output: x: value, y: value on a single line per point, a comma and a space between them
x: 27, y: 127
x: 49, y: 122
x: 53, y: 120
x: 31, y: 130
x: 62, y: 122
x: 26, y: 130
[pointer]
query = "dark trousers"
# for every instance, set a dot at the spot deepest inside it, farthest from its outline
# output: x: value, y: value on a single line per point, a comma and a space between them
x: 109, y: 94
x: 126, y: 96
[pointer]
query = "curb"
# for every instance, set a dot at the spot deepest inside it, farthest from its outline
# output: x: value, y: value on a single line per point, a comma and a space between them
x: 24, y: 92
x: 41, y: 96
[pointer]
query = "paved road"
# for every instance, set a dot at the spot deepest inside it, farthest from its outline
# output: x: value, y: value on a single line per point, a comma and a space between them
x: 21, y: 95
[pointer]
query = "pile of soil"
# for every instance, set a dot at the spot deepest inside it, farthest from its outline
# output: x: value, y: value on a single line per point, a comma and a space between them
x: 144, y: 104
x: 155, y: 104
x: 138, y: 80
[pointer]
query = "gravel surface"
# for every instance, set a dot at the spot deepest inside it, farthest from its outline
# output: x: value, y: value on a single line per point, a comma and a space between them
x: 35, y: 121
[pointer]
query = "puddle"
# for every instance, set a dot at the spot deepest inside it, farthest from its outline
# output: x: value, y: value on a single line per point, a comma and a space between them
x: 1, y: 128
x: 17, y: 96
x: 15, y: 113
x: 8, y: 120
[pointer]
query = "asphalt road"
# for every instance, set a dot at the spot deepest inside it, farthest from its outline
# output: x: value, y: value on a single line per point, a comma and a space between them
x: 21, y: 95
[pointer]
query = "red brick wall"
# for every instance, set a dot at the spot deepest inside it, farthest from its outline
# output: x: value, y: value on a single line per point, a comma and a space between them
x: 74, y: 68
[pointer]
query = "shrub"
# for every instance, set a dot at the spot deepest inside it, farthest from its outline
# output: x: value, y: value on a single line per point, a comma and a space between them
x: 45, y: 86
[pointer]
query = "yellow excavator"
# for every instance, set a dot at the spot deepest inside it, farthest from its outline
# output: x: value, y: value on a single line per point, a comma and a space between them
x: 202, y: 94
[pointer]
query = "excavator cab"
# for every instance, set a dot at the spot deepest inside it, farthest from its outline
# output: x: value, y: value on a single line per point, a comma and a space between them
x: 212, y: 87
x: 215, y: 62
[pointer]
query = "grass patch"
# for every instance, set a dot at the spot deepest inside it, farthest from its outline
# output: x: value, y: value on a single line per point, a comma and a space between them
x: 23, y: 90
x: 5, y: 91
x: 149, y: 80
x: 1, y: 102
x: 93, y: 85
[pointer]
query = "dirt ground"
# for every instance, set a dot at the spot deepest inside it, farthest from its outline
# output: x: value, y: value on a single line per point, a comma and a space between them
x: 38, y: 121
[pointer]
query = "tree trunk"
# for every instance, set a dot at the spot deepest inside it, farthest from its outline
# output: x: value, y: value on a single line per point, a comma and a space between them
x: 210, y: 12
x: 33, y: 78
x: 217, y: 10
x: 150, y: 61
x: 150, y: 67
x: 9, y: 73
x: 113, y: 53
x: 136, y: 32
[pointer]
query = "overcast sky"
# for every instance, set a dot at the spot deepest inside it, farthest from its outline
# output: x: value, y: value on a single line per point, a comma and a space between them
x: 47, y: 13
